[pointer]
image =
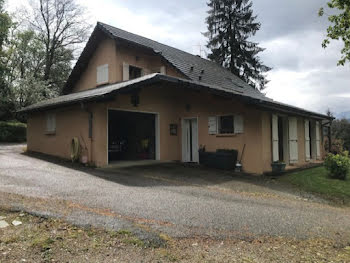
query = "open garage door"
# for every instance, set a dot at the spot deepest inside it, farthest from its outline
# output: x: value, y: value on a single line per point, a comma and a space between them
x: 131, y: 136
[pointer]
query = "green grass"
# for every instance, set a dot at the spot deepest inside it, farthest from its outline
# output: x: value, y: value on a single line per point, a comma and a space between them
x: 316, y: 180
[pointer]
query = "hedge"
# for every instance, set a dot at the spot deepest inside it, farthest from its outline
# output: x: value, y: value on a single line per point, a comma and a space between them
x: 13, y: 131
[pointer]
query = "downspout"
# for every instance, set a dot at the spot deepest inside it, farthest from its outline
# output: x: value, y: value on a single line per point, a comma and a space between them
x: 90, y: 123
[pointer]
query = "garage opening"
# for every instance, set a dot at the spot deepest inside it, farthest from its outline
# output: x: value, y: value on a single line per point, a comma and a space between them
x: 131, y: 136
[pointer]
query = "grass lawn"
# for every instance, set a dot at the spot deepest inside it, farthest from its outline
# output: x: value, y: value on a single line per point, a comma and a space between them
x: 316, y: 180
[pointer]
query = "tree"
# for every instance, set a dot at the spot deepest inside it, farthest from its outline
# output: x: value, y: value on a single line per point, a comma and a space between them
x: 339, y: 28
x: 230, y: 24
x: 341, y: 131
x: 25, y: 60
x: 5, y: 24
x: 61, y: 26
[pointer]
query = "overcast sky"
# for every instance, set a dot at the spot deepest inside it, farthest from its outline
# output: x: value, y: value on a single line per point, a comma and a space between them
x: 304, y: 74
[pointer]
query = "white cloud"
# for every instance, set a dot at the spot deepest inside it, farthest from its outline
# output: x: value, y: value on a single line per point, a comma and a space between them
x: 304, y: 74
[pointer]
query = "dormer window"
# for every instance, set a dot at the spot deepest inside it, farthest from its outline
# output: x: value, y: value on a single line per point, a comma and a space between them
x: 102, y: 74
x: 134, y: 72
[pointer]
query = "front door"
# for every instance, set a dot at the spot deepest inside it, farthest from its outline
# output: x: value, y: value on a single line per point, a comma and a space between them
x: 190, y: 140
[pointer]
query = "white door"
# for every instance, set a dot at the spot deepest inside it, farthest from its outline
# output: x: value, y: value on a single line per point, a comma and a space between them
x: 318, y: 141
x: 275, y: 151
x: 307, y: 140
x: 190, y: 140
x: 293, y: 140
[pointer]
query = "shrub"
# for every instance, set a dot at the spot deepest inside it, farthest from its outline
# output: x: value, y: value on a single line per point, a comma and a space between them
x: 13, y: 131
x: 338, y: 165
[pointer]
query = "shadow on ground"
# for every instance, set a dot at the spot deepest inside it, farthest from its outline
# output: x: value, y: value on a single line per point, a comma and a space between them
x: 178, y: 174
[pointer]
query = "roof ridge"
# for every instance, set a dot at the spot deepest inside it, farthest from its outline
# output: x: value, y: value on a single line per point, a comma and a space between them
x: 204, y: 60
x: 188, y: 53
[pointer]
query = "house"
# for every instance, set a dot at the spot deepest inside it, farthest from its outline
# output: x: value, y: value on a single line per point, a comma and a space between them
x: 131, y: 98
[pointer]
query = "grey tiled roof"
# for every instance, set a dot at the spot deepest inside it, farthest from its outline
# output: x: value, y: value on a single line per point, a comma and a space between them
x: 109, y: 91
x: 190, y: 65
x: 86, y: 95
x: 213, y: 77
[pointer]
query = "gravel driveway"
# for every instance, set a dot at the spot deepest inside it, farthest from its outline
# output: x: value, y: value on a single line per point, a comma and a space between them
x: 179, y: 201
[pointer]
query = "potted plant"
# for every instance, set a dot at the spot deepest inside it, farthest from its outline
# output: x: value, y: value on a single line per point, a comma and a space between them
x: 278, y: 167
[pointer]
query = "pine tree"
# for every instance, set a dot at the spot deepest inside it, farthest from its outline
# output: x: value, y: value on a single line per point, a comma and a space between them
x: 230, y: 24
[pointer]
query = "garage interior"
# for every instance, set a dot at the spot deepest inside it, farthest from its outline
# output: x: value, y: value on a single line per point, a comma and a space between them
x: 131, y: 136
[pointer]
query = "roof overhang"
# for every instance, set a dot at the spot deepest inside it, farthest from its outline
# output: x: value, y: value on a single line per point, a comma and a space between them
x: 97, y: 35
x: 109, y: 92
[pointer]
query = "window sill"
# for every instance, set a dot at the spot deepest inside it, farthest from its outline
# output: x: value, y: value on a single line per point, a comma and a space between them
x: 227, y: 135
x: 50, y: 133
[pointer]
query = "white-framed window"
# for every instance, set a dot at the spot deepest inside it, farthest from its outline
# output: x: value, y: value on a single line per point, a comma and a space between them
x: 226, y: 124
x: 102, y: 74
x: 51, y: 122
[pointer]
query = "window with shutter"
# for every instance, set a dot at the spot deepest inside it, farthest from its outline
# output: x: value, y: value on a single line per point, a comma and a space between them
x: 134, y: 72
x: 212, y: 124
x: 307, y: 141
x: 226, y: 124
x: 318, y: 141
x: 293, y: 139
x: 275, y: 142
x: 50, y: 122
x: 125, y: 71
x: 102, y: 74
x: 238, y: 124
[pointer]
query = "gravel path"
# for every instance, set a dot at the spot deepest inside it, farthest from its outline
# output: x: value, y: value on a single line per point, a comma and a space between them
x: 180, y: 201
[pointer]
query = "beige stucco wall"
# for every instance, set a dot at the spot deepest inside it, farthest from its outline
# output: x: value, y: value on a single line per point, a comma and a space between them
x: 70, y: 122
x: 108, y: 52
x: 105, y: 53
x: 170, y: 104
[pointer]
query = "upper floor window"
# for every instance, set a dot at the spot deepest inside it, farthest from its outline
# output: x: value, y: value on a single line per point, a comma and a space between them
x: 134, y: 72
x: 102, y: 74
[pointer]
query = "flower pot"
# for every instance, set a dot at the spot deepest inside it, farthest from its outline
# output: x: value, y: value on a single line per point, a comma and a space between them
x: 278, y: 167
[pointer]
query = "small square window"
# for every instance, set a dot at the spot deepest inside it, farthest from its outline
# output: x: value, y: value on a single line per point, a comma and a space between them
x: 226, y: 124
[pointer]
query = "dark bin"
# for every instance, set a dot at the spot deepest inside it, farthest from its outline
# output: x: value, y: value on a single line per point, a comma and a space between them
x: 221, y: 159
x: 278, y: 167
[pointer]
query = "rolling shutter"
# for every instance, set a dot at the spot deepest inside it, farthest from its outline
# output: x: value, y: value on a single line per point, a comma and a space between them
x: 307, y: 140
x: 275, y: 154
x: 125, y: 71
x: 318, y: 141
x: 238, y: 124
x: 293, y: 139
x: 212, y: 125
